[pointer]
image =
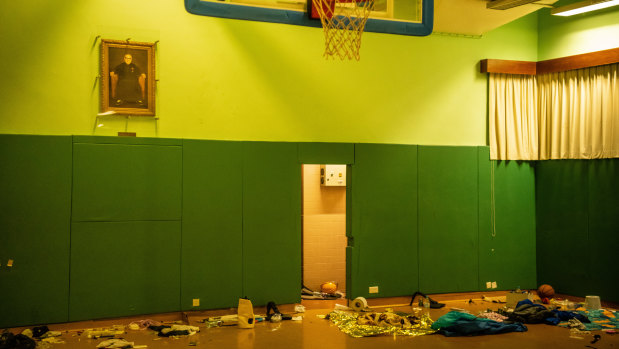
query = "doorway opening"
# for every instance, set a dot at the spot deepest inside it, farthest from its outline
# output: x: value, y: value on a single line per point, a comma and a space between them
x: 324, y: 231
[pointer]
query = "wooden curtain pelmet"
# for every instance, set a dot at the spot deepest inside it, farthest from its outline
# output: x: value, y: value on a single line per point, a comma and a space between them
x: 585, y: 60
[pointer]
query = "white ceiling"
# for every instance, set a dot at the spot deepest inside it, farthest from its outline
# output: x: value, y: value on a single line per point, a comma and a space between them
x: 471, y: 17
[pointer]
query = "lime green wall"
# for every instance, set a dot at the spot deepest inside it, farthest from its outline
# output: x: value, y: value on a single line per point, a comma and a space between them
x: 242, y: 80
x: 587, y: 32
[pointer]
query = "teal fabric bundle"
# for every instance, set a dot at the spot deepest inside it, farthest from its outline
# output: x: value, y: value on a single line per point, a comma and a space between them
x: 456, y: 323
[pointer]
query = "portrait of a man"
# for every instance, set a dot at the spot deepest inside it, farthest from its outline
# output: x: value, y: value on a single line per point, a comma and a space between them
x: 127, y: 83
x: 128, y: 77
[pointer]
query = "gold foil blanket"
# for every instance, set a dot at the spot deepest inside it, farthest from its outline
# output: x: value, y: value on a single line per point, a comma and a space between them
x: 376, y: 324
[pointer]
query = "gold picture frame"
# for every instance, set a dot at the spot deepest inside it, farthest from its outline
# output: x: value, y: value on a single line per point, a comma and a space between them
x: 127, y: 77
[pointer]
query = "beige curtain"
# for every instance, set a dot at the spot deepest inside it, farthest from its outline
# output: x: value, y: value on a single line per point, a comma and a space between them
x: 579, y: 114
x: 567, y: 115
x: 513, y: 118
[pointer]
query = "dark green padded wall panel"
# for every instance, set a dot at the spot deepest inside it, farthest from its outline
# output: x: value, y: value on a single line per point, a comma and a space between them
x: 124, y: 268
x: 35, y: 207
x: 271, y: 222
x: 212, y: 224
x: 119, y: 182
x: 577, y: 225
x: 485, y: 221
x: 562, y: 228
x: 507, y: 258
x: 384, y: 220
x: 326, y: 153
x: 515, y: 225
x: 604, y: 227
x: 448, y: 219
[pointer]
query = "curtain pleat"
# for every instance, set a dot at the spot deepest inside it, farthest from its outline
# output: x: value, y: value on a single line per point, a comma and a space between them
x: 513, y: 117
x: 565, y: 115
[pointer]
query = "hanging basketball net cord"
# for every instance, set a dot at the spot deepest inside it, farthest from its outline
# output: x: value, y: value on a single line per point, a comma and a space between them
x: 343, y: 22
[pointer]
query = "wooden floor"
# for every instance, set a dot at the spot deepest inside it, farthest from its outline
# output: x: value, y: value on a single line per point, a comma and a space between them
x: 314, y: 332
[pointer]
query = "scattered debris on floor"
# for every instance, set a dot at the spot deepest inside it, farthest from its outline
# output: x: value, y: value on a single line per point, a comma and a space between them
x: 104, y: 332
x: 500, y: 299
x: 143, y: 324
x: 361, y: 320
x: 175, y: 330
x: 273, y: 315
x: 118, y: 343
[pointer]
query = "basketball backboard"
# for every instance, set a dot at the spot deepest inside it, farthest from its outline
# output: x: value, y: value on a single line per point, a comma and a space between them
x: 405, y: 17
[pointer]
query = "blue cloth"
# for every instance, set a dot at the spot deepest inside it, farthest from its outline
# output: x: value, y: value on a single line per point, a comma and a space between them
x: 567, y: 315
x: 456, y: 323
x: 528, y: 302
x: 556, y: 317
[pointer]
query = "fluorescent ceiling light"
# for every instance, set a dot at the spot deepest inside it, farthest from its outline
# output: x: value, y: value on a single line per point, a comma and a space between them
x: 583, y: 6
x: 507, y: 4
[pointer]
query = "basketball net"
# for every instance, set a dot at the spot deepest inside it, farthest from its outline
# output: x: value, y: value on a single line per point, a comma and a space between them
x: 343, y: 22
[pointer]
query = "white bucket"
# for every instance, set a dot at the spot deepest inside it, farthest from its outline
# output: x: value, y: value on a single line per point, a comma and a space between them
x: 592, y: 303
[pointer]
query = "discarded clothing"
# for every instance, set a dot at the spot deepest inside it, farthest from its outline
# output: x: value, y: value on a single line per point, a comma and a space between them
x: 96, y: 333
x: 175, y: 330
x: 566, y: 316
x: 50, y: 334
x: 39, y: 331
x: 432, y: 303
x: 362, y: 325
x: 143, y: 324
x: 492, y: 316
x: 115, y: 343
x: 456, y: 323
x: 10, y: 341
x: 529, y: 313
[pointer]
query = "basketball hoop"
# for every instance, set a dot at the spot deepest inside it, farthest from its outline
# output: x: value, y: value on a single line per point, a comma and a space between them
x: 343, y: 22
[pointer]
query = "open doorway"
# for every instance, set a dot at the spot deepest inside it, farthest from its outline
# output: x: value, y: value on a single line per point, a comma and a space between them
x: 324, y: 231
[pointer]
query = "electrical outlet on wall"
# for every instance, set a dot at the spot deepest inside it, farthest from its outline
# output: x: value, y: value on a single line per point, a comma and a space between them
x: 488, y: 284
x: 373, y: 289
x: 196, y: 302
x: 494, y: 284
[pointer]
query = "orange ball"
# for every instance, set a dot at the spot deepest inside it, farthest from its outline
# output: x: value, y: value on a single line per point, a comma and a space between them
x: 545, y: 291
x: 328, y: 287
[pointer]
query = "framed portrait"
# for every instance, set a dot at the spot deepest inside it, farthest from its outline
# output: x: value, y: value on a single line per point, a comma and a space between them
x: 128, y: 77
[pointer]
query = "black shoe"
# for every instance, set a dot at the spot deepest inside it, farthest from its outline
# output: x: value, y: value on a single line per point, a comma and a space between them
x: 433, y: 304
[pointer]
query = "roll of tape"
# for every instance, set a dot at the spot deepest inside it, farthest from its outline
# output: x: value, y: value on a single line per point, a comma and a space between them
x: 359, y: 304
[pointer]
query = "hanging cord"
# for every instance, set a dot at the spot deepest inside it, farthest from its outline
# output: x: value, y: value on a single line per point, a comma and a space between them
x: 492, y: 206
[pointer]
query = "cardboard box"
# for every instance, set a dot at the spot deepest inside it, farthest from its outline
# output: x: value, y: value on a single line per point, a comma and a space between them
x: 514, y: 297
